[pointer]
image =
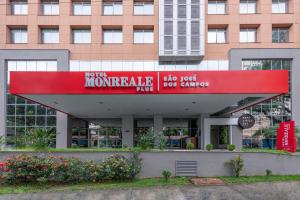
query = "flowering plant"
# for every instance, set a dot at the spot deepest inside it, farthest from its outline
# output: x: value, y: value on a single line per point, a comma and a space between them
x: 48, y: 168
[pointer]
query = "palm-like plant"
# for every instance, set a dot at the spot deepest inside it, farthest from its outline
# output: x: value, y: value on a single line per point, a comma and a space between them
x: 40, y: 138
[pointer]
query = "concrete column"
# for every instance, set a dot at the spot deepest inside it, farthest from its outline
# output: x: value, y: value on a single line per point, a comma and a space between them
x: 204, y: 131
x: 63, y: 130
x: 3, y: 82
x: 127, y: 130
x: 158, y: 123
x: 199, y: 132
x: 237, y: 137
x: 206, y: 134
x: 158, y: 126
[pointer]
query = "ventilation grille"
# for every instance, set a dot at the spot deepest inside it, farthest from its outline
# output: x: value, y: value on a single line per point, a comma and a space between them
x: 185, y: 168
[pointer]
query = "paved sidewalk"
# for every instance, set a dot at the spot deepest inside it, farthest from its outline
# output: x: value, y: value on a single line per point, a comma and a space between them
x: 259, y: 191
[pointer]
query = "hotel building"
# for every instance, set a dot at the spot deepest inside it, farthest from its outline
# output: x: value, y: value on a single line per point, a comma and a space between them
x: 196, y: 65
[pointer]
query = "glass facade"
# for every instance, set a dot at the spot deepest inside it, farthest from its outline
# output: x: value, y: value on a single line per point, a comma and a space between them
x: 269, y: 113
x: 23, y: 115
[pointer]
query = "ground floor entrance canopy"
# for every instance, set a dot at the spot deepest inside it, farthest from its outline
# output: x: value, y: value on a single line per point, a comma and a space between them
x: 113, y: 94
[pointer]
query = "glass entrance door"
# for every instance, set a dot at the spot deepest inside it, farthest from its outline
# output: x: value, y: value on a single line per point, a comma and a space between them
x: 220, y: 136
x: 105, y: 137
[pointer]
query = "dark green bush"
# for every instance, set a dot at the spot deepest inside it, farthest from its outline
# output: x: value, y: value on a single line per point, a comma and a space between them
x: 268, y: 172
x: 166, y: 174
x: 190, y: 146
x: 237, y: 165
x: 231, y: 147
x: 209, y: 147
x: 146, y: 141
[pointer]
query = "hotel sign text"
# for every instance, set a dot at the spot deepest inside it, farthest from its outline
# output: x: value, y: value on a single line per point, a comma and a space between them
x: 143, y: 83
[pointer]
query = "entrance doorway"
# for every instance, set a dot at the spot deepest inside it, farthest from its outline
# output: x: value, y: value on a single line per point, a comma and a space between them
x: 220, y: 136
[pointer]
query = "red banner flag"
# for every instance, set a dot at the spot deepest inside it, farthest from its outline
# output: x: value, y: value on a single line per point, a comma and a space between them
x: 286, y: 138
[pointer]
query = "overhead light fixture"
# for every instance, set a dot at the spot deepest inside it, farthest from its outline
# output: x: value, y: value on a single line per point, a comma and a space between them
x: 186, y: 109
x: 100, y: 102
x: 194, y: 102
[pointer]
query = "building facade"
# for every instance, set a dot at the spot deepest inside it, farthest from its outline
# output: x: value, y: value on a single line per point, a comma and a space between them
x: 143, y: 36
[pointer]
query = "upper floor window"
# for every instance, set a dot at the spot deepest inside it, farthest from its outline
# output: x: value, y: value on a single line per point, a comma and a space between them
x: 81, y: 7
x: 248, y: 6
x: 143, y: 36
x: 143, y: 8
x: 248, y: 35
x: 216, y: 35
x: 114, y: 7
x: 19, y: 7
x: 50, y: 35
x: 216, y: 7
x: 50, y: 7
x: 112, y: 36
x: 280, y: 35
x: 81, y: 36
x: 280, y: 6
x: 18, y: 35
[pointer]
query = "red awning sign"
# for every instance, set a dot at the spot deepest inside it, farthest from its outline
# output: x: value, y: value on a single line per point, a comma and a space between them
x: 164, y: 82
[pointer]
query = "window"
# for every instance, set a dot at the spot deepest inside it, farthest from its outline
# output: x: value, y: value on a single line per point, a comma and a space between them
x: 18, y: 35
x: 112, y: 36
x: 142, y: 36
x: 23, y: 115
x: 195, y: 9
x: 280, y: 6
x: 248, y: 6
x: 216, y: 35
x: 181, y: 37
x: 168, y: 36
x: 19, y: 7
x: 248, y: 35
x: 143, y: 8
x: 112, y: 8
x: 168, y: 9
x: 50, y: 36
x: 271, y: 112
x: 50, y: 7
x: 81, y: 8
x: 216, y: 7
x: 81, y: 36
x: 195, y: 36
x: 280, y: 35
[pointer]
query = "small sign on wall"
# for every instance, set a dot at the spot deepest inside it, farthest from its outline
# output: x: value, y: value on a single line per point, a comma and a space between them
x: 246, y: 121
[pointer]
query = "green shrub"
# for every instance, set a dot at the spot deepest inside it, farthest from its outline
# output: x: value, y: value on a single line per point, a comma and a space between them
x: 190, y: 146
x: 166, y: 175
x: 268, y: 172
x: 209, y: 147
x: 146, y: 141
x: 116, y: 167
x: 2, y: 142
x: 125, y: 146
x: 27, y: 168
x: 72, y: 170
x: 41, y: 169
x: 74, y: 146
x: 231, y: 147
x: 135, y: 164
x: 237, y: 165
x: 160, y: 141
x: 40, y: 138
